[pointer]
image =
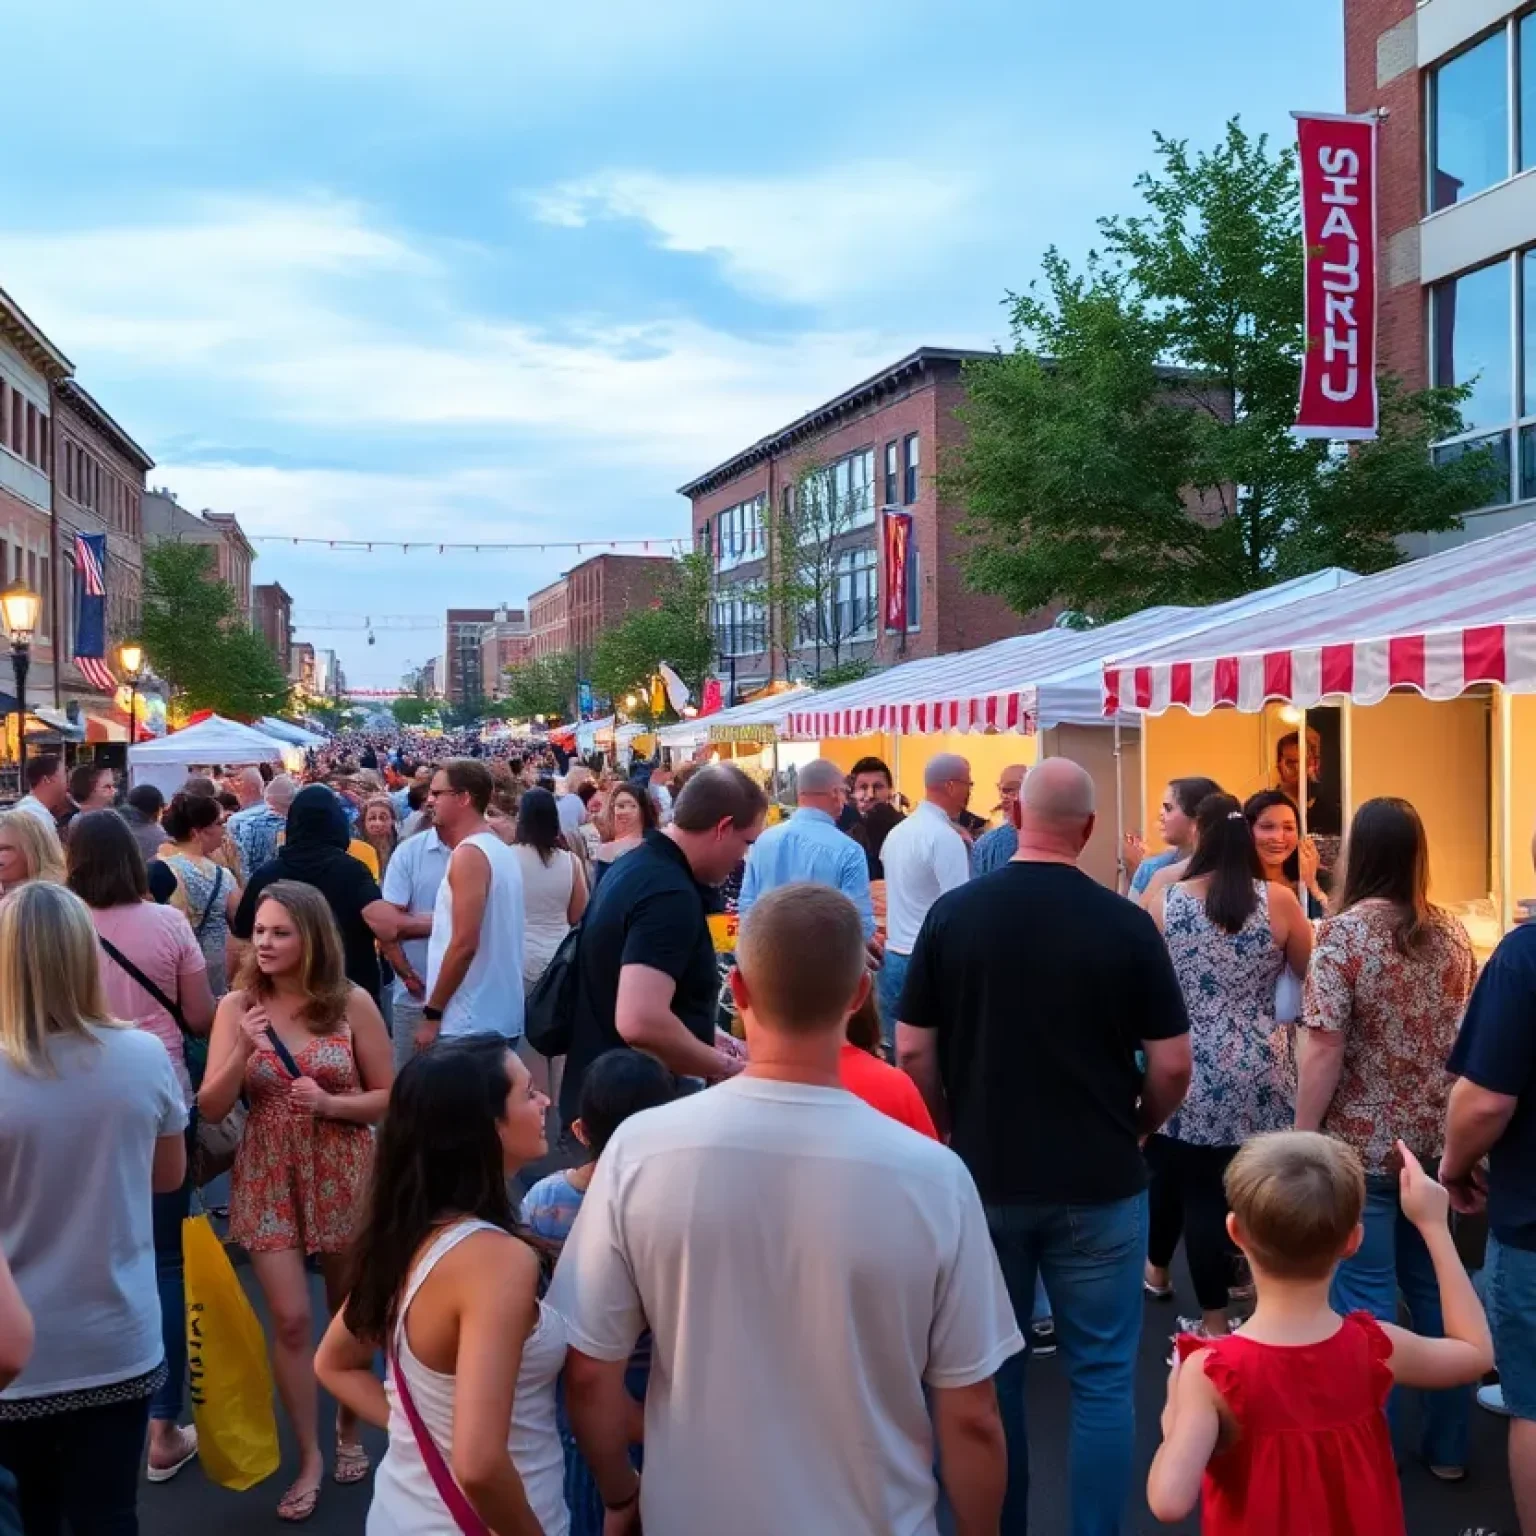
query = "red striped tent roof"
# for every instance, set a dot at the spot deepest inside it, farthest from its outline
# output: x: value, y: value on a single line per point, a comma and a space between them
x: 1439, y: 625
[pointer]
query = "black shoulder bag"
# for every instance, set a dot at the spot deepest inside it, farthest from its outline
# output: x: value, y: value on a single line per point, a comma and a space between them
x: 549, y: 1018
x: 194, y: 1047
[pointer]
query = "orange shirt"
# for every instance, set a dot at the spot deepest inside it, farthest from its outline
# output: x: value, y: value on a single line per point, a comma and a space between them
x: 885, y: 1088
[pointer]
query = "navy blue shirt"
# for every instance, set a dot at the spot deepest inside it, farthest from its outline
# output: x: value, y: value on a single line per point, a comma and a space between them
x: 1496, y: 1049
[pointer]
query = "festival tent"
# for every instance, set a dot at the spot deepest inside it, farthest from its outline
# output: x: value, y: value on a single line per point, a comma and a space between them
x: 756, y: 720
x: 285, y: 730
x: 166, y: 761
x: 1420, y: 682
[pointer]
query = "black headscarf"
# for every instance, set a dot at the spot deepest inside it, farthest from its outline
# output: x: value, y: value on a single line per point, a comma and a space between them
x: 317, y: 833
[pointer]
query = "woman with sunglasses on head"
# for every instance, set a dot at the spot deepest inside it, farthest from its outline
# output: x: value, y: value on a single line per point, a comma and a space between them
x: 310, y: 1051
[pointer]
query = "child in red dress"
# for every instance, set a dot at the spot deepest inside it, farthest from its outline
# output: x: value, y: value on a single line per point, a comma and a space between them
x: 1280, y: 1429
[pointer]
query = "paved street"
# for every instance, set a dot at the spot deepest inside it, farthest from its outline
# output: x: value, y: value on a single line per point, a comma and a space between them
x: 191, y: 1504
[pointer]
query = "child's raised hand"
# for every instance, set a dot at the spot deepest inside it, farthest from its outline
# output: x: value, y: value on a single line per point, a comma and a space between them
x: 1425, y: 1203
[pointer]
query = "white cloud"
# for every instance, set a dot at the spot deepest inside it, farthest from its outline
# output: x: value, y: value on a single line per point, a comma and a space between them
x: 869, y: 225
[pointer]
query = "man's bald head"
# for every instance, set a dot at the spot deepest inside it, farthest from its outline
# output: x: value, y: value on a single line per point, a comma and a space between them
x: 820, y: 778
x: 1056, y: 806
x: 947, y: 779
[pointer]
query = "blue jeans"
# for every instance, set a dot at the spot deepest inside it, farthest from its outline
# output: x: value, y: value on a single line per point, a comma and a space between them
x: 1090, y: 1257
x: 169, y: 1212
x: 78, y: 1469
x: 1392, y: 1260
x: 1509, y: 1293
x: 889, y: 980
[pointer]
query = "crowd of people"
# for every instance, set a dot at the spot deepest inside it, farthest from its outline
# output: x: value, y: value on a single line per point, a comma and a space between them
x: 960, y: 1107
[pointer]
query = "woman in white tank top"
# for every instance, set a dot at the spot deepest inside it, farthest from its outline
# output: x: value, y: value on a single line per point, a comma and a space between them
x: 446, y: 1287
x: 554, y: 888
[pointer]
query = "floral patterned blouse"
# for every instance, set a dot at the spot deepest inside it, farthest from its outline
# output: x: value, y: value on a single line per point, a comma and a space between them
x: 1399, y: 1015
x: 1244, y: 1076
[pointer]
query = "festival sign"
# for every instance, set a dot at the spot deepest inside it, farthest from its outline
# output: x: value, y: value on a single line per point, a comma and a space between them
x: 1338, y: 215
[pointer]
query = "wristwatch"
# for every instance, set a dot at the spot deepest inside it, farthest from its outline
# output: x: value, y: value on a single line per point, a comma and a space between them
x: 432, y: 1015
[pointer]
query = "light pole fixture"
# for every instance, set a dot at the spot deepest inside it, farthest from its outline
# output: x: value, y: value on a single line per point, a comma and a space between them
x: 21, y: 607
x: 131, y: 655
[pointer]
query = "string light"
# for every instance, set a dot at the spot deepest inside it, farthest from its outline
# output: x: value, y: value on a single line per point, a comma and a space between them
x: 370, y: 546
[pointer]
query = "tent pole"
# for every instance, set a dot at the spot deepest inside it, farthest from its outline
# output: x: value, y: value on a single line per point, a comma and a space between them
x: 1120, y: 880
x: 1304, y: 783
x: 1506, y: 812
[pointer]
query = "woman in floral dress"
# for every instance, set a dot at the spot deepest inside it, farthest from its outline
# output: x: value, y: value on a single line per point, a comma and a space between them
x: 311, y: 1053
x: 1230, y: 934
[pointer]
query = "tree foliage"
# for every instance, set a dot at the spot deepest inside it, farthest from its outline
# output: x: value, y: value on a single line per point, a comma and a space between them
x: 199, y: 641
x: 411, y: 709
x: 675, y: 629
x: 1135, y: 446
x: 542, y: 685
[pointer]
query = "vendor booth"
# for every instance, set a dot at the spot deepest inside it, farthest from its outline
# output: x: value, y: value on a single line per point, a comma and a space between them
x: 1418, y: 682
x: 750, y: 735
x: 1018, y: 700
x: 213, y: 742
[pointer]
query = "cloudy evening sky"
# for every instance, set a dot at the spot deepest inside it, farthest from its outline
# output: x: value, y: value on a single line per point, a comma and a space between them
x: 491, y: 269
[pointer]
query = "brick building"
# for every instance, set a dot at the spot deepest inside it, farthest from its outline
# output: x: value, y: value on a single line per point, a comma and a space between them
x: 1456, y: 80
x: 301, y: 665
x: 875, y: 446
x: 272, y: 617
x: 463, y: 678
x: 165, y: 518
x: 505, y: 641
x: 549, y: 618
x: 602, y: 590
x: 99, y: 489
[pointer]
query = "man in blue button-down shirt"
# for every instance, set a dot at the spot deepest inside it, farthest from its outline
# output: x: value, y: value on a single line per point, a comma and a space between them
x: 809, y: 847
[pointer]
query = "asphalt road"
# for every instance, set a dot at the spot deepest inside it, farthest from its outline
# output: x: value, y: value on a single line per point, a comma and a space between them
x: 190, y: 1503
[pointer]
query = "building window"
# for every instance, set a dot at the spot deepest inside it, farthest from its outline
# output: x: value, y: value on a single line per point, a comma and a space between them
x: 1526, y: 90
x: 892, y: 472
x: 857, y: 597
x: 911, y: 454
x: 18, y: 422
x: 740, y: 533
x: 1469, y: 122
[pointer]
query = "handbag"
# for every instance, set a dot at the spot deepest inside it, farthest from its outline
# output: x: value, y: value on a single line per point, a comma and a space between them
x: 453, y: 1497
x: 218, y: 887
x: 217, y: 1140
x: 550, y: 1014
x: 227, y: 1354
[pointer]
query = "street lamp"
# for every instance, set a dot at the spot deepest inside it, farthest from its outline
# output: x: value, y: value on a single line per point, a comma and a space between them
x: 20, y: 606
x: 132, y: 658
x: 630, y: 701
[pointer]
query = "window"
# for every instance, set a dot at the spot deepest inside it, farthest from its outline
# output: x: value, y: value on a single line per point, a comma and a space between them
x: 1469, y: 122
x: 1526, y: 90
x: 892, y: 472
x: 739, y: 625
x: 911, y: 455
x: 18, y: 420
x: 856, y: 594
x: 740, y: 533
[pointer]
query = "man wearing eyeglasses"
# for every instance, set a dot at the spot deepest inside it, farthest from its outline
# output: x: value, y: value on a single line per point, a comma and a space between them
x: 924, y: 857
x: 995, y: 848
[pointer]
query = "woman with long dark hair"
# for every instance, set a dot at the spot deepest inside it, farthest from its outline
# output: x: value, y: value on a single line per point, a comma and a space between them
x: 631, y: 814
x: 309, y: 1050
x: 209, y: 894
x: 554, y: 888
x: 1389, y: 982
x: 444, y: 1283
x: 1176, y: 825
x: 1287, y: 857
x: 1230, y: 933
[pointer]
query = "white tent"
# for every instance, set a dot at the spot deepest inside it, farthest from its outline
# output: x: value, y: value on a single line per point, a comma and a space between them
x: 166, y: 761
x: 284, y: 730
x: 766, y: 713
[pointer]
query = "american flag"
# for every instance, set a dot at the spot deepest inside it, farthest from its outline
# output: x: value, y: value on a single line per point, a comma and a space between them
x: 90, y: 631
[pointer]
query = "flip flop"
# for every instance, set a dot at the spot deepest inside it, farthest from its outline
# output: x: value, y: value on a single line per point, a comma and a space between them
x: 298, y: 1504
x: 189, y: 1453
x: 352, y: 1464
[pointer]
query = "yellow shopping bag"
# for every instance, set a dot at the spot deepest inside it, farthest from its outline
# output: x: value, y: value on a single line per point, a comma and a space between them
x: 227, y: 1357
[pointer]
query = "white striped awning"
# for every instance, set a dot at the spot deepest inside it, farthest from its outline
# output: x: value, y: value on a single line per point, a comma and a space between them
x: 1439, y: 626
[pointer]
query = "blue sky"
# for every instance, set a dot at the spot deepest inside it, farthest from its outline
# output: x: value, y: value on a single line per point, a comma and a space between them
x: 484, y: 269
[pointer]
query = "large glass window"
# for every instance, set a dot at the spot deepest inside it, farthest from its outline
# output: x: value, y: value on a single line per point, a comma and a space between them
x: 1471, y: 330
x: 1526, y: 91
x: 1470, y: 122
x: 740, y: 535
x: 912, y: 454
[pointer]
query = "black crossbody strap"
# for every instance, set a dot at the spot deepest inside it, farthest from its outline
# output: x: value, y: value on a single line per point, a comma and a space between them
x: 124, y: 963
x: 218, y: 890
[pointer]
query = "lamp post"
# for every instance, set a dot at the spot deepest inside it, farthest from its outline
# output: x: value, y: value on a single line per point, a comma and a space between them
x: 132, y: 658
x: 20, y: 607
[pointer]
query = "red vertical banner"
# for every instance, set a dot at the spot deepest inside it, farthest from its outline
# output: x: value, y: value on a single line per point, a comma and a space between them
x: 897, y: 534
x: 1338, y: 217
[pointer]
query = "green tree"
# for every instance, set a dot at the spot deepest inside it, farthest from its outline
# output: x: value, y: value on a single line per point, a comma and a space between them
x: 198, y: 640
x: 1135, y: 447
x: 675, y: 629
x: 541, y: 685
x: 410, y: 709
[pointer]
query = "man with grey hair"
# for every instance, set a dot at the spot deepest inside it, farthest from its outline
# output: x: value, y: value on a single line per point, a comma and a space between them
x: 809, y: 847
x: 257, y: 830
x: 924, y: 856
x: 1029, y: 996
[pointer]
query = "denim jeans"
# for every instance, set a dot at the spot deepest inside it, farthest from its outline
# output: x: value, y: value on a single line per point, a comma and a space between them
x: 79, y: 1468
x: 1090, y: 1257
x: 169, y: 1211
x: 1393, y: 1260
x: 889, y: 980
x: 1509, y: 1293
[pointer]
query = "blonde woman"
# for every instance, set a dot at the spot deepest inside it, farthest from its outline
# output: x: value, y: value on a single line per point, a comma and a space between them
x: 75, y: 1216
x: 29, y: 850
x: 377, y: 828
x: 310, y: 1051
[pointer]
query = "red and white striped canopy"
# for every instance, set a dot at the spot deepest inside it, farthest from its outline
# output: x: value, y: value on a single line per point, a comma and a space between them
x: 1439, y: 625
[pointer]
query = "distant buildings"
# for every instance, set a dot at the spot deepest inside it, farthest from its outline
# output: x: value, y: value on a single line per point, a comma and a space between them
x: 504, y: 642
x: 272, y: 615
x: 166, y: 519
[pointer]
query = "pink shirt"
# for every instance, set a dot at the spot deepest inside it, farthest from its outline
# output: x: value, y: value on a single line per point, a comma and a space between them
x: 160, y: 942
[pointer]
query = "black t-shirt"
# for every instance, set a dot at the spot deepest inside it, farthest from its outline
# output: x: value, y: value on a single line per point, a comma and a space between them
x: 649, y: 911
x: 1042, y: 986
x: 1496, y: 1049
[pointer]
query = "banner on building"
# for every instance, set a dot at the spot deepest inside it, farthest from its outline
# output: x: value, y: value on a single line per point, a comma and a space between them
x: 586, y: 706
x: 897, y: 534
x: 91, y: 611
x: 1338, y: 218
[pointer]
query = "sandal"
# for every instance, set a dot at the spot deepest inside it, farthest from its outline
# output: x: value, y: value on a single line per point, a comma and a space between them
x: 352, y: 1464
x: 298, y: 1504
x: 188, y: 1452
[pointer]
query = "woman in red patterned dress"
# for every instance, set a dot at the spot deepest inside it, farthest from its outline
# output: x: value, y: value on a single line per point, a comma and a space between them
x: 311, y: 1053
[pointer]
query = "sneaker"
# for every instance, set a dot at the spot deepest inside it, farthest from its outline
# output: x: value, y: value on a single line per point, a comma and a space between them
x: 1042, y: 1338
x: 1492, y: 1398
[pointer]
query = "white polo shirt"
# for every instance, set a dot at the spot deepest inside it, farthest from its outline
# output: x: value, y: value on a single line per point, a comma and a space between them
x: 806, y: 1266
x: 924, y: 856
x: 416, y: 870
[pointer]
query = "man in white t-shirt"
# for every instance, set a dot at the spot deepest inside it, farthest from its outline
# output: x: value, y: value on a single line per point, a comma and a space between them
x: 411, y: 882
x: 924, y: 856
x: 808, y: 1269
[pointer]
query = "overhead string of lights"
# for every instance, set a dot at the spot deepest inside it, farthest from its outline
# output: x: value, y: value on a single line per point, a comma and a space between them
x: 674, y: 545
